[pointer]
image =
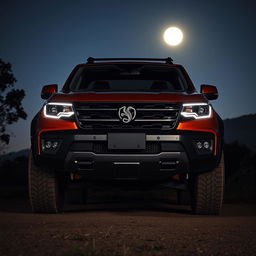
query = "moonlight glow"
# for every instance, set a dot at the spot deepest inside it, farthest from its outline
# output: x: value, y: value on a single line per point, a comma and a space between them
x: 173, y: 36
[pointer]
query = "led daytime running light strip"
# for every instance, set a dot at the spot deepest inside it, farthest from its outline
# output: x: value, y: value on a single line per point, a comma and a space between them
x: 60, y: 114
x: 193, y: 114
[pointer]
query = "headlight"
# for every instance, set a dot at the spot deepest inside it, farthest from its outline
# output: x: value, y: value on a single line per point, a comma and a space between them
x: 58, y: 110
x: 196, y: 110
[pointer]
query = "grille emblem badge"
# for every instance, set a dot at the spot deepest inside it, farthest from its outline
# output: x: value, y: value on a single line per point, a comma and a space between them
x: 127, y: 114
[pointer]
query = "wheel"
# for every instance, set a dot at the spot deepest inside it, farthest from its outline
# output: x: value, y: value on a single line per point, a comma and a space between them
x: 208, y: 189
x: 46, y: 192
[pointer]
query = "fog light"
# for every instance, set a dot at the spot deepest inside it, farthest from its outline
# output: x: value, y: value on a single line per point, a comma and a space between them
x: 55, y: 144
x: 199, y: 144
x: 48, y: 144
x: 203, y: 146
x: 206, y: 145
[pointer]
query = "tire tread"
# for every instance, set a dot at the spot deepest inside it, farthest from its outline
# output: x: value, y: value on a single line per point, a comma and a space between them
x: 43, y: 189
x: 208, y: 191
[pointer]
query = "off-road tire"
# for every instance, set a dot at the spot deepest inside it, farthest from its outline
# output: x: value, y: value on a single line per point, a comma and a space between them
x: 208, y: 190
x: 45, y: 191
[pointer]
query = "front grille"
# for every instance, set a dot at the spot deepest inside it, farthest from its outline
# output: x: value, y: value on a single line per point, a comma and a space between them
x: 105, y: 115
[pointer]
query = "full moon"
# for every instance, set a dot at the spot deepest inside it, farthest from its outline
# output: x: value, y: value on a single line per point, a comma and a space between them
x: 173, y: 36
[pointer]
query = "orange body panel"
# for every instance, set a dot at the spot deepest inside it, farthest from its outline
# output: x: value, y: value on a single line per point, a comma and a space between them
x: 202, y: 125
x: 49, y: 124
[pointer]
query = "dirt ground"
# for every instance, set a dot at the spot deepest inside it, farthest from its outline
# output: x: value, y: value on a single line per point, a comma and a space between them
x: 126, y: 227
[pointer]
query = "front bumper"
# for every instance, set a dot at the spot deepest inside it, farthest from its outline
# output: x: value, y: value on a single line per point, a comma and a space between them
x: 164, y: 156
x: 146, y: 167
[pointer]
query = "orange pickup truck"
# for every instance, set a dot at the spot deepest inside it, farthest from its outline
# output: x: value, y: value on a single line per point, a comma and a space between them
x: 127, y: 122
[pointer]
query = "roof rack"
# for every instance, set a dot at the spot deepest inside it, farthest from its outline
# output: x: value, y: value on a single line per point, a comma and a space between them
x: 167, y: 60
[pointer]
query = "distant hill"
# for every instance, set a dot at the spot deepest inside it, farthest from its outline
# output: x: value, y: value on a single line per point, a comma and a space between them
x: 241, y: 129
x: 13, y: 155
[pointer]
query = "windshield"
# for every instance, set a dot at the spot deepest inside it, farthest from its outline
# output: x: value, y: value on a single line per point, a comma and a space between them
x: 128, y: 78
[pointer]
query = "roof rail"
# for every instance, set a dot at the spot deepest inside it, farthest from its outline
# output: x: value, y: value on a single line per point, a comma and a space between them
x: 167, y: 60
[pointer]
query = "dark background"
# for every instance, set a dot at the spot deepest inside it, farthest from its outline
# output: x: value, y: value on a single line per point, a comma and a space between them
x: 44, y: 40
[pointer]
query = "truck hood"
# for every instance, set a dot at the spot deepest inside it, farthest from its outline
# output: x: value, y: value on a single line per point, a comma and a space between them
x: 147, y: 97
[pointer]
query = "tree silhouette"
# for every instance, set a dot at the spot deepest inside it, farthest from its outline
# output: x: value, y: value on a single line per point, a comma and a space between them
x: 10, y: 102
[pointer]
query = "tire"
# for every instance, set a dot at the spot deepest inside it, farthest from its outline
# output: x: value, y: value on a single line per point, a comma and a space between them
x: 45, y: 190
x: 208, y: 190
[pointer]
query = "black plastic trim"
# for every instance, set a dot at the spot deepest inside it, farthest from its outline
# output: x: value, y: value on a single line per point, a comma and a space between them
x: 184, y: 146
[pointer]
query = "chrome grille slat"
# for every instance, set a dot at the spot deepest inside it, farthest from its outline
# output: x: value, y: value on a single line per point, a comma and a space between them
x: 155, y: 109
x: 97, y: 109
x: 155, y: 120
x: 138, y: 109
x: 117, y: 120
x: 98, y: 120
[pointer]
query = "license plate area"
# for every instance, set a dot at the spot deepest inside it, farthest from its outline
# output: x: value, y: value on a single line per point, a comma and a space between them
x: 127, y: 141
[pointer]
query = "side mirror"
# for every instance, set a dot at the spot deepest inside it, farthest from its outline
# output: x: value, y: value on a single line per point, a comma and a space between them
x: 48, y: 90
x: 209, y: 91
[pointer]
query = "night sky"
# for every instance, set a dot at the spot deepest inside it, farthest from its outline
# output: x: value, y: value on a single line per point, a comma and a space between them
x: 44, y: 40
